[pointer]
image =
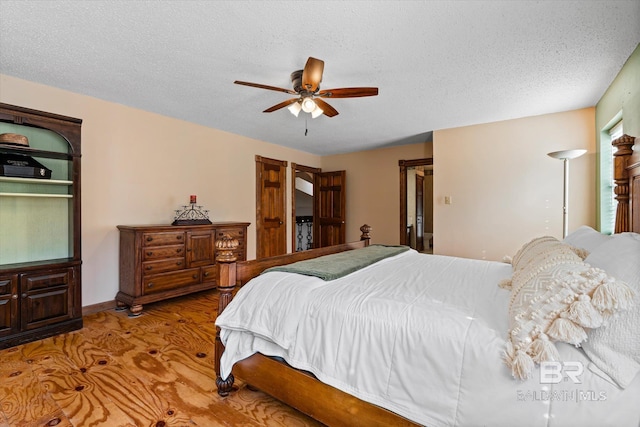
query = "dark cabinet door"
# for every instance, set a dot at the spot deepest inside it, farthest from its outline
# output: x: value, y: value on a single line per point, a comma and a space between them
x: 47, y: 297
x: 8, y: 305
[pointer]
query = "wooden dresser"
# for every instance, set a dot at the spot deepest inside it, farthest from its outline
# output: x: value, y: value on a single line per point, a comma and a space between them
x: 164, y: 261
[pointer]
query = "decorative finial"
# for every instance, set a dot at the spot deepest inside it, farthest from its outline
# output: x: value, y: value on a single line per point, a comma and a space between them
x: 225, y: 248
x: 366, y: 229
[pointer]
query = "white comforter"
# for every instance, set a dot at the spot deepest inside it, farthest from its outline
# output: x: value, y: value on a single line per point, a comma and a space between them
x: 421, y: 335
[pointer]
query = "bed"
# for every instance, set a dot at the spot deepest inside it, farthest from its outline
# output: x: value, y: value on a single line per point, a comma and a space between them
x: 371, y: 347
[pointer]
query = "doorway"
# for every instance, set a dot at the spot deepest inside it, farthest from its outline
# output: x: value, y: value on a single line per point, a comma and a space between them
x: 302, y: 206
x: 416, y: 204
x: 318, y: 201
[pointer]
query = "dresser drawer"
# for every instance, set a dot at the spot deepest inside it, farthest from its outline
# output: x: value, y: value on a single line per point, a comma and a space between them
x: 162, y: 252
x: 163, y: 239
x: 237, y: 233
x: 166, y: 281
x: 210, y: 273
x: 154, y: 267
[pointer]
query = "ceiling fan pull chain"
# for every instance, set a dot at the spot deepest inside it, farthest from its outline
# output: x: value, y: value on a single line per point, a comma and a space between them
x: 306, y: 128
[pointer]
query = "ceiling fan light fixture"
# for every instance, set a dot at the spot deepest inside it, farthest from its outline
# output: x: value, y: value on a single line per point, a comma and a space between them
x: 308, y: 105
x: 316, y: 112
x: 295, y: 108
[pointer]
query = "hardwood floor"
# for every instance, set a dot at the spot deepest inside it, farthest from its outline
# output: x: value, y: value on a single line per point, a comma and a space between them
x: 152, y: 370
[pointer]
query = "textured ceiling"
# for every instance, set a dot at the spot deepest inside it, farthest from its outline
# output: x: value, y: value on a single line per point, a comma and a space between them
x: 437, y: 64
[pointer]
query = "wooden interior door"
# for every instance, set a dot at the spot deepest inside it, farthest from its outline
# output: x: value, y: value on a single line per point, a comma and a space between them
x: 329, y: 215
x: 271, y: 221
x: 419, y: 212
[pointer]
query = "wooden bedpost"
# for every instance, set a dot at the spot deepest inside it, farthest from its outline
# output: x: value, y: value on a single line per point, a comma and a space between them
x: 366, y: 234
x: 226, y: 259
x: 624, y: 144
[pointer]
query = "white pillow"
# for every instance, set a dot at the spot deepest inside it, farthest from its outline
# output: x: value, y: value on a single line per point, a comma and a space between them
x: 615, y: 347
x: 555, y: 296
x: 587, y: 238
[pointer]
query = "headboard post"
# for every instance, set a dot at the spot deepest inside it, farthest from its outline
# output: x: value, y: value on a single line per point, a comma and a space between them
x: 226, y: 260
x: 621, y: 160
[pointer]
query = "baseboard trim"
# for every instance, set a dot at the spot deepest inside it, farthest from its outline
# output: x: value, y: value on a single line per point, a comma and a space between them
x: 97, y: 308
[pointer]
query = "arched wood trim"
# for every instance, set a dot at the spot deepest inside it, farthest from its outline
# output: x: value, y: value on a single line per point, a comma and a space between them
x: 404, y: 164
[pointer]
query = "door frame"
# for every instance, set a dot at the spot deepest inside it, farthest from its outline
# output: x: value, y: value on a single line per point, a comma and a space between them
x: 302, y: 168
x: 404, y: 164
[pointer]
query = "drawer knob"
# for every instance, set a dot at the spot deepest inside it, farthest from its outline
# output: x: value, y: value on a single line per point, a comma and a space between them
x: 149, y: 238
x: 179, y: 263
x: 195, y: 276
x: 14, y: 296
x: 150, y: 285
x: 149, y: 267
x: 149, y: 253
x: 206, y: 274
x: 179, y: 237
x: 178, y: 250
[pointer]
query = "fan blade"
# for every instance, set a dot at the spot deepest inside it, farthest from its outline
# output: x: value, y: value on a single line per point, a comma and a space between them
x: 349, y: 92
x: 312, y: 74
x: 327, y: 109
x: 280, y: 105
x: 258, y: 85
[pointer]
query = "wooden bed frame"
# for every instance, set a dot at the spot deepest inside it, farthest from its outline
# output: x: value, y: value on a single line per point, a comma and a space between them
x: 327, y: 404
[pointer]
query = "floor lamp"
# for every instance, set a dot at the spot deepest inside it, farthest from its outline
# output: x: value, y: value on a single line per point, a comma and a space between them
x: 566, y: 155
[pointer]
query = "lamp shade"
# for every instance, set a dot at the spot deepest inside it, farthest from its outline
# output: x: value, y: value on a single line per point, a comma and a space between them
x: 316, y: 112
x: 295, y: 108
x: 308, y: 105
x: 567, y: 154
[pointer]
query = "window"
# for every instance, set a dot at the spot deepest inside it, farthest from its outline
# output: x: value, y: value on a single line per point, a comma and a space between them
x: 607, y: 196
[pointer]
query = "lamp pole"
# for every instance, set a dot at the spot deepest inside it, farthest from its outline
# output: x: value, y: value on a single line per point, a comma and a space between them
x: 565, y: 156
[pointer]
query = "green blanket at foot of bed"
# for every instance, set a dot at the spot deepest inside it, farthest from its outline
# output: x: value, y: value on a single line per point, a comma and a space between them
x: 334, y: 266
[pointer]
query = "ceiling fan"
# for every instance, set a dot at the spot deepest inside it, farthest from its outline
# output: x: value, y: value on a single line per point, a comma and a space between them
x: 309, y: 97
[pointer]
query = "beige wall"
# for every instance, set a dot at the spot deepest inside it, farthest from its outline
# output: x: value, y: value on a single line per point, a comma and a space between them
x: 505, y: 190
x: 373, y: 188
x: 138, y: 167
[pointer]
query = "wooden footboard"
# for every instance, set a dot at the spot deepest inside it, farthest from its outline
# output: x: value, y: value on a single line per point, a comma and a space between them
x: 322, y: 402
